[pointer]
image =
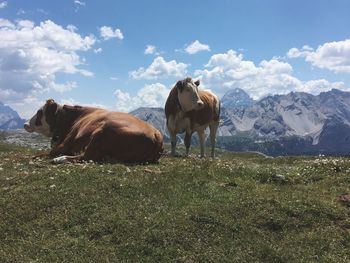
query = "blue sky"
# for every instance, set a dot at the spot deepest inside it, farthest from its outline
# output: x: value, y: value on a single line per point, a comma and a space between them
x: 125, y: 54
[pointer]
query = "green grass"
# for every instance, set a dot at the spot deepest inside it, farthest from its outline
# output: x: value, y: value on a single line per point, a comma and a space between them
x: 231, y: 209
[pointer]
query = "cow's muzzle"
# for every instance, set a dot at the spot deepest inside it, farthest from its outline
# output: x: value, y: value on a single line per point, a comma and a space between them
x: 200, y: 105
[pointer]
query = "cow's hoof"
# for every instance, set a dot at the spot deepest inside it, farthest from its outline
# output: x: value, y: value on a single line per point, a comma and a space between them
x: 60, y: 160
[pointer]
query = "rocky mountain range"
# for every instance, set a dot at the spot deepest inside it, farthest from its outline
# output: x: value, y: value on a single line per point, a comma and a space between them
x: 292, y: 124
x: 9, y: 119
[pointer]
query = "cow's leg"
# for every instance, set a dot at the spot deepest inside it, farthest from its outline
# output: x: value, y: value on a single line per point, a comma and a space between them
x: 188, y: 141
x: 42, y: 155
x: 213, y: 129
x: 201, y: 135
x: 55, y: 151
x: 91, y: 152
x: 173, y: 144
x: 58, y: 150
x: 95, y: 150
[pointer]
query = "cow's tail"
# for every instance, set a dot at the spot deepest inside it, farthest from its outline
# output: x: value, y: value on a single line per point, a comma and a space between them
x: 217, y: 109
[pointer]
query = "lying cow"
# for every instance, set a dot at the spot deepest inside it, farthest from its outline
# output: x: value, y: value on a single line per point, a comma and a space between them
x: 86, y: 133
x: 190, y: 110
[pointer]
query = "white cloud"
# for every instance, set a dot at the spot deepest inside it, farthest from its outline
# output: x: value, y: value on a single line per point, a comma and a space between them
x: 150, y: 50
x: 42, y: 11
x: 98, y: 50
x: 334, y: 56
x: 160, y: 68
x: 78, y: 4
x: 230, y: 70
x: 25, y: 24
x: 64, y: 87
x: 153, y: 95
x: 21, y: 12
x: 320, y: 85
x: 31, y: 57
x: 113, y: 78
x: 107, y: 32
x: 196, y: 47
x: 3, y: 4
x: 73, y: 102
x: 6, y: 23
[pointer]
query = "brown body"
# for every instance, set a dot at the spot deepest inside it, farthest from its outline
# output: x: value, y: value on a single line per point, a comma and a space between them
x: 195, y: 120
x: 85, y: 133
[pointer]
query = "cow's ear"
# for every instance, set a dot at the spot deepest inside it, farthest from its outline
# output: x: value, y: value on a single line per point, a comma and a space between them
x: 179, y: 85
x: 51, y: 107
x: 50, y: 112
x: 197, y: 82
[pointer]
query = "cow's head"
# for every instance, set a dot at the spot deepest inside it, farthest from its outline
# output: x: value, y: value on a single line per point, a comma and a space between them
x: 187, y: 92
x: 44, y: 119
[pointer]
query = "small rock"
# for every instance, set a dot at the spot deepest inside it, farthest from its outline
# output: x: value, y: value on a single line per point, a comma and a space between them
x: 337, y: 169
x: 279, y: 178
x: 344, y: 199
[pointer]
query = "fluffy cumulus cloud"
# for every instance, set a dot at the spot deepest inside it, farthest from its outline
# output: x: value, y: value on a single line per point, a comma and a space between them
x: 160, y: 68
x: 107, y: 32
x: 230, y: 70
x: 334, y: 56
x: 32, y: 56
x: 196, y: 47
x: 153, y: 95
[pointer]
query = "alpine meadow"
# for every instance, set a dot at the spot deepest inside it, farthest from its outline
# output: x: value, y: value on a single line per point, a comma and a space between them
x: 175, y: 131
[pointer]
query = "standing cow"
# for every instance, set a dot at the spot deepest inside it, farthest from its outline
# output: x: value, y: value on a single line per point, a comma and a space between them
x: 86, y: 133
x: 190, y: 110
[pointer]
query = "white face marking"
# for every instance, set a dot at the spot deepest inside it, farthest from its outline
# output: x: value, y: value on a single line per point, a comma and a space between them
x: 189, y: 98
x: 32, y: 126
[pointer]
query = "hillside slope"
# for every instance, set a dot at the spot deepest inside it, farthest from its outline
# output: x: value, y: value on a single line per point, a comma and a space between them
x: 237, y: 208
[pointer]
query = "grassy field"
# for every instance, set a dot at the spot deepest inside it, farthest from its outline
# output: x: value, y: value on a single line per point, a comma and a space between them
x: 236, y: 208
